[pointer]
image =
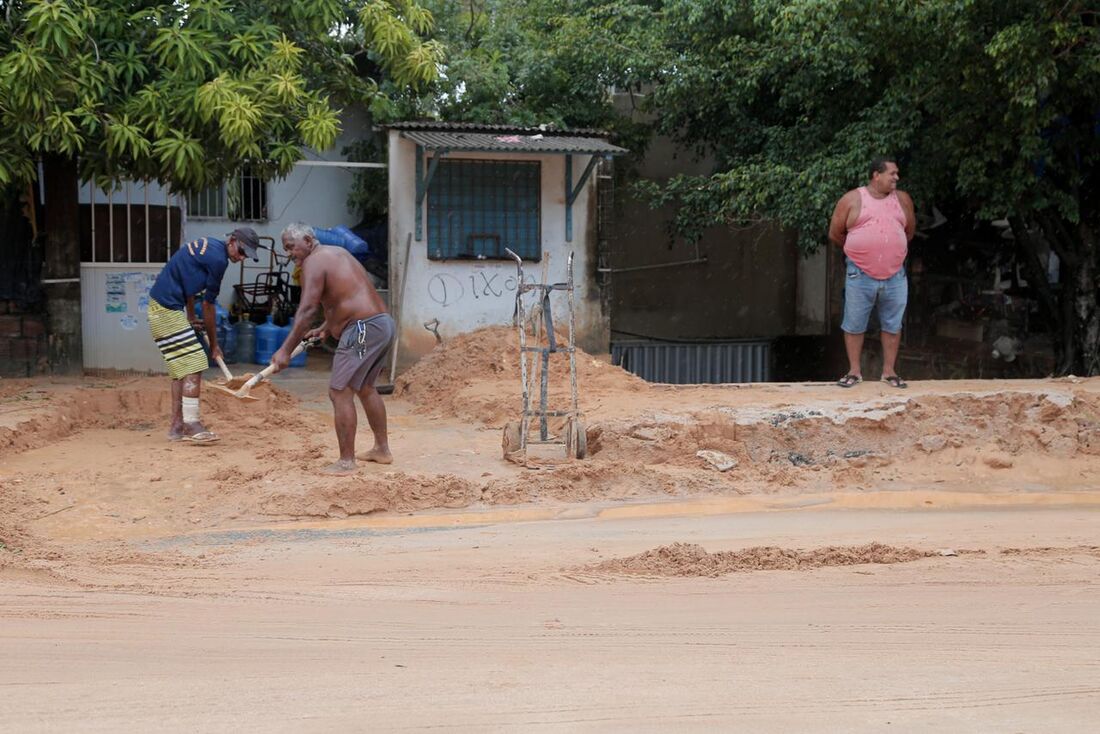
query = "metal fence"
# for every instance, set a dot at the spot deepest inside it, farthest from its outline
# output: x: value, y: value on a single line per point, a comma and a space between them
x: 697, y: 362
x: 135, y: 222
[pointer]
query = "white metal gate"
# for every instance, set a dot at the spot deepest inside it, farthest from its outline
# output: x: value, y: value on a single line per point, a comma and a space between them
x: 127, y: 236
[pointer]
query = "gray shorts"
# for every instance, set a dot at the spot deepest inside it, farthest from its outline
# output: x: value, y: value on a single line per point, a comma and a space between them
x: 362, y: 352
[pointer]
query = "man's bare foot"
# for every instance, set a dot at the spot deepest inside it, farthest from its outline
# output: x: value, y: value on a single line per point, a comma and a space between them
x: 377, y: 455
x: 340, y: 468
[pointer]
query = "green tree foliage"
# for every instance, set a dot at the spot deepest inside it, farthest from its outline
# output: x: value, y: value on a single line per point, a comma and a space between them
x: 991, y: 106
x: 185, y: 93
x: 537, y: 62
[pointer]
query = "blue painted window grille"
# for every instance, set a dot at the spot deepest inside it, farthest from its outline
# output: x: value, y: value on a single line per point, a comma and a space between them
x: 477, y: 208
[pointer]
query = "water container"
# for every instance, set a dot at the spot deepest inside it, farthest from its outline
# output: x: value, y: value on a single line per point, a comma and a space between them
x: 268, y: 340
x: 220, y: 314
x: 227, y: 339
x: 300, y: 360
x: 284, y: 332
x: 246, y: 339
x: 341, y: 236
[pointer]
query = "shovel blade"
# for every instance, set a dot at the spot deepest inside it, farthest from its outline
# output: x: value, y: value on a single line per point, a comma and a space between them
x: 233, y: 393
x: 237, y: 382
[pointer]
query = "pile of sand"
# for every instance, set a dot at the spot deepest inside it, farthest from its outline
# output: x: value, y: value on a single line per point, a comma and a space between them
x: 476, y: 376
x: 301, y: 493
x: 688, y: 559
x: 839, y: 436
x: 32, y: 417
x: 19, y: 548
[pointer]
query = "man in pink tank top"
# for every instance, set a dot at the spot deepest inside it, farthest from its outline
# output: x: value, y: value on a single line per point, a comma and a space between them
x: 874, y: 224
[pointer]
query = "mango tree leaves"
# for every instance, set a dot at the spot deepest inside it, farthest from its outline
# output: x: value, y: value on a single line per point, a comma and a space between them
x: 989, y: 103
x: 186, y: 93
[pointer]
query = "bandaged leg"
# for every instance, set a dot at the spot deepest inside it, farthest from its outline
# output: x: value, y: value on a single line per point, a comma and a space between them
x: 190, y: 410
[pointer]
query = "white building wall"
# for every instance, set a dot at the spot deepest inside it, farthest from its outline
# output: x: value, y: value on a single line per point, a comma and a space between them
x: 468, y: 294
x: 315, y: 195
x: 114, y: 321
x: 312, y: 194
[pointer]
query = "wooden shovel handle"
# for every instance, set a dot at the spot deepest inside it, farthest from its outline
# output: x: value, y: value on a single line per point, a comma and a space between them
x: 221, y: 362
x: 225, y: 370
x: 266, y: 371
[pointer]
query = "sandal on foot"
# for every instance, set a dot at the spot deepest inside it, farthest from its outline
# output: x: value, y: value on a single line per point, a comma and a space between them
x: 895, y: 381
x: 849, y: 380
x: 202, y: 437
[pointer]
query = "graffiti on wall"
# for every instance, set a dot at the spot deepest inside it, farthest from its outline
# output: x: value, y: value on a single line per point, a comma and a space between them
x: 446, y: 289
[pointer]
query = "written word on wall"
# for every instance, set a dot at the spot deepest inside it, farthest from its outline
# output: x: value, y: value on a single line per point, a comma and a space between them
x: 446, y: 289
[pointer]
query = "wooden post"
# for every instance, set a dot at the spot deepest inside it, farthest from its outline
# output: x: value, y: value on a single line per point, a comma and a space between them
x: 61, y: 264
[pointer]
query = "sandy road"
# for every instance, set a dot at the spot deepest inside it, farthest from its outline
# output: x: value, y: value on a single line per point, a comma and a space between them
x: 481, y: 625
x: 147, y: 587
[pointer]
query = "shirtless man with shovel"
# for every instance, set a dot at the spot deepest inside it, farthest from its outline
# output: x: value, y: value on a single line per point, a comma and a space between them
x: 357, y: 317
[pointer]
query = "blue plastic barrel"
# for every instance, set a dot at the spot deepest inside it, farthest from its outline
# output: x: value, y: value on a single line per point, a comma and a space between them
x: 268, y: 340
x: 341, y: 236
x: 300, y: 360
x: 227, y: 339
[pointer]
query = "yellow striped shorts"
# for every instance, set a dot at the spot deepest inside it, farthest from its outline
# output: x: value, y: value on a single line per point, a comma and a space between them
x: 177, y: 341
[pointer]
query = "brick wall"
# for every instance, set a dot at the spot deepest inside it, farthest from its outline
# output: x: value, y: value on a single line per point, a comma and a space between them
x: 23, y: 349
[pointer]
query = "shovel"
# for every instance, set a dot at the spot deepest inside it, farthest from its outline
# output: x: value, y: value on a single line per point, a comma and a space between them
x: 230, y: 383
x: 244, y: 392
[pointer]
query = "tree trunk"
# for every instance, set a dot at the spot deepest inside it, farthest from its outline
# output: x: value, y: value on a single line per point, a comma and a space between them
x: 61, y: 264
x: 1027, y: 249
x: 1067, y: 324
x: 1074, y: 315
x: 1084, y: 306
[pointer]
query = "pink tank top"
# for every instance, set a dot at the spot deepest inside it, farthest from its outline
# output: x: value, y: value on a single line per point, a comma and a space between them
x: 876, y: 243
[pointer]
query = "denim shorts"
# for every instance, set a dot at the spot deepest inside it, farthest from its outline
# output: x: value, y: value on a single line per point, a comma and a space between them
x: 861, y: 292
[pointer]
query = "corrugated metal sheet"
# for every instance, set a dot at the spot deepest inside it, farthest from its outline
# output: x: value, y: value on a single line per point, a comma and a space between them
x: 695, y: 363
x: 476, y: 127
x: 534, y: 143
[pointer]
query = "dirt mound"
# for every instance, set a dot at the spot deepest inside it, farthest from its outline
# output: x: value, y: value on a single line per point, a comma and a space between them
x: 401, y: 492
x: 31, y: 417
x: 689, y: 559
x: 848, y: 441
x: 362, y: 495
x: 19, y: 547
x: 476, y: 376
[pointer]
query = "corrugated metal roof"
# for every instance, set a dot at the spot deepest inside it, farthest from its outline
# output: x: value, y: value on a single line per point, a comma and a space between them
x: 536, y: 142
x: 476, y: 127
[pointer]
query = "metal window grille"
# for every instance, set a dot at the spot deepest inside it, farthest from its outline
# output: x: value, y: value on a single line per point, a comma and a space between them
x: 242, y: 199
x: 477, y: 208
x: 129, y: 223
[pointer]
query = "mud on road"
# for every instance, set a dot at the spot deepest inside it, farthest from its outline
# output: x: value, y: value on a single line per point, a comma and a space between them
x: 716, y: 536
x: 87, y: 461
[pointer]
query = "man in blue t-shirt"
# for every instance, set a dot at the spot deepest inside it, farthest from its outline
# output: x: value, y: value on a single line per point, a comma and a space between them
x: 198, y: 267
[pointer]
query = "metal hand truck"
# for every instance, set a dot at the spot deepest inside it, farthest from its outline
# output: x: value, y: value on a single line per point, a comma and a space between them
x: 571, y: 442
